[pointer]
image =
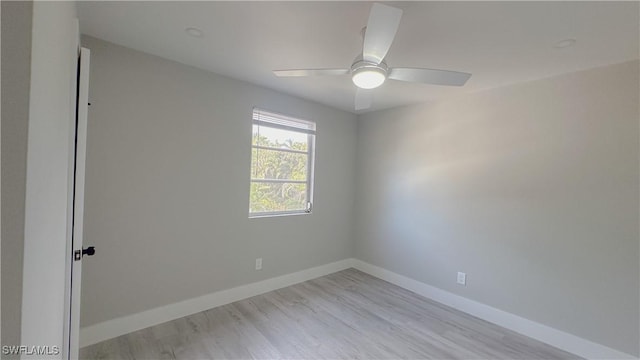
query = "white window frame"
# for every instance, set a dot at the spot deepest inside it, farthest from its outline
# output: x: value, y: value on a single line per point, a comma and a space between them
x: 275, y: 120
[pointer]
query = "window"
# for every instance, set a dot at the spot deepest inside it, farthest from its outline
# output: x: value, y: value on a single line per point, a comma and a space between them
x: 282, y: 152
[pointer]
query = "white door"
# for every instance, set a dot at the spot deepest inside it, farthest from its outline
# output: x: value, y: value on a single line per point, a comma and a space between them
x: 78, y: 202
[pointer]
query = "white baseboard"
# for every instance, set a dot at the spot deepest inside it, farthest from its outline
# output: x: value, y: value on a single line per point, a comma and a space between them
x: 532, y: 329
x: 120, y: 326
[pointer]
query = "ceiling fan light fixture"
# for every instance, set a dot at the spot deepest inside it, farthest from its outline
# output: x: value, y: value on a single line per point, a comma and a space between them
x: 368, y: 76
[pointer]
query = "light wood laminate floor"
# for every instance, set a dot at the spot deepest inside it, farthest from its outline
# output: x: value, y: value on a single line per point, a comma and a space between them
x: 346, y: 315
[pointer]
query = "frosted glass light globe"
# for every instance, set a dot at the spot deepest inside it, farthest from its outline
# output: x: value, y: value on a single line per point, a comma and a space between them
x: 368, y: 77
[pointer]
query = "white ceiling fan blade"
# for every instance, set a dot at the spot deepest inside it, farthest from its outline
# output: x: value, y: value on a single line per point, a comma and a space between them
x: 364, y: 98
x: 381, y: 29
x: 430, y: 76
x: 310, y: 72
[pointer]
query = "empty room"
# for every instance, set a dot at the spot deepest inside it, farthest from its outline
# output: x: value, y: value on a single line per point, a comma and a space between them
x: 320, y: 180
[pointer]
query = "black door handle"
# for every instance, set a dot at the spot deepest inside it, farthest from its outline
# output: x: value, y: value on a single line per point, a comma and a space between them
x: 78, y: 255
x: 90, y: 251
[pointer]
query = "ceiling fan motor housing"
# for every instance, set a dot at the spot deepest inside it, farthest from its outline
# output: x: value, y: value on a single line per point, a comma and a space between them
x: 368, y: 75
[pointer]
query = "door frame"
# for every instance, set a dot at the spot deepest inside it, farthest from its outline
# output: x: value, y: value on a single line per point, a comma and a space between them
x: 74, y: 270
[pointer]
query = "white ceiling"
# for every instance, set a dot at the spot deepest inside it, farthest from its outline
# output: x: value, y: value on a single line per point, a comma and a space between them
x: 499, y: 42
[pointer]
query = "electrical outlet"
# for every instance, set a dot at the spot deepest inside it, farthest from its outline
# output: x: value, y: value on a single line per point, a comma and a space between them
x: 462, y: 278
x: 259, y: 264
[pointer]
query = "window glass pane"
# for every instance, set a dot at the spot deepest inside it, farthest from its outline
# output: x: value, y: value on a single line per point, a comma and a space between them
x: 266, y: 197
x: 279, y: 138
x: 281, y: 159
x: 274, y: 164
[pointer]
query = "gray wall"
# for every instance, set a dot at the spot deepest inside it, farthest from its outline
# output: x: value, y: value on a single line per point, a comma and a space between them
x: 532, y: 190
x: 16, y: 68
x: 167, y: 186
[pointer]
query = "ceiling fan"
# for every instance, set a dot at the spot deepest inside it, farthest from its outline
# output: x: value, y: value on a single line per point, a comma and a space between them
x: 369, y: 69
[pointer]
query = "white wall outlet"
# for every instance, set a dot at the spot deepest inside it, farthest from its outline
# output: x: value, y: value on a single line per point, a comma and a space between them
x: 462, y: 278
x: 259, y: 264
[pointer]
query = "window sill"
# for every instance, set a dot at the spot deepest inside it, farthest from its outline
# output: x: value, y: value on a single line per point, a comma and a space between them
x: 278, y: 214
